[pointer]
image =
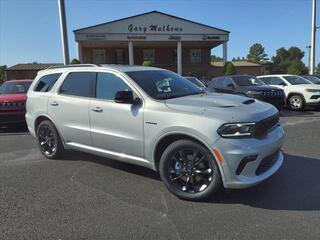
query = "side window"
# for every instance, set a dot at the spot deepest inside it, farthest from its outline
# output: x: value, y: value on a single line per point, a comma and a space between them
x: 219, y: 82
x: 227, y: 82
x: 46, y: 82
x: 108, y: 84
x: 266, y: 80
x: 276, y: 81
x: 79, y: 84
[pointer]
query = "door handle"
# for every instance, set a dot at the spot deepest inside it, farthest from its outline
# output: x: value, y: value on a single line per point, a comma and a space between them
x: 97, y: 109
x: 54, y: 104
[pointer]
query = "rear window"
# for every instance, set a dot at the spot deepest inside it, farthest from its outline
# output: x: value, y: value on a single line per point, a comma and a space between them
x: 79, y: 84
x: 46, y: 82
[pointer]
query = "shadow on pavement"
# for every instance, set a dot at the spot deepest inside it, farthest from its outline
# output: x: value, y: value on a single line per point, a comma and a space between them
x: 289, y: 113
x: 130, y: 168
x: 296, y: 186
x: 13, y: 129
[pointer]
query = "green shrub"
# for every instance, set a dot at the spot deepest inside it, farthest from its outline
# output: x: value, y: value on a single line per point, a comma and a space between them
x: 147, y: 63
x: 229, y: 69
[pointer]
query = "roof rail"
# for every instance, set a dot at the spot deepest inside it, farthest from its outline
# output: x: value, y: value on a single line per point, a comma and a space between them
x: 73, y: 66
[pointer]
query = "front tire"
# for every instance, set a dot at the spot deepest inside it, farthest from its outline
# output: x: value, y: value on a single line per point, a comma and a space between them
x: 296, y: 103
x: 189, y: 170
x: 49, y: 141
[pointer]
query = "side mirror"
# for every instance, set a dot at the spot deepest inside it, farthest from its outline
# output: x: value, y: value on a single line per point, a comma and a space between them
x: 124, y: 97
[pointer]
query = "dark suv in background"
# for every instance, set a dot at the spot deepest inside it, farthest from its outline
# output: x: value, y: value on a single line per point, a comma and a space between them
x: 250, y: 86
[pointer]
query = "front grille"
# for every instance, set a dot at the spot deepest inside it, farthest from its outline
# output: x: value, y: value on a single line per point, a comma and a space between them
x: 273, y: 93
x: 267, y: 163
x: 12, y: 105
x: 263, y: 127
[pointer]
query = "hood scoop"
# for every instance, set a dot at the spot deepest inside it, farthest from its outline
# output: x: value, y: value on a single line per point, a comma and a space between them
x: 247, y: 102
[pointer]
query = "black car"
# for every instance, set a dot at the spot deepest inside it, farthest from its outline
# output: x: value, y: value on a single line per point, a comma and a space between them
x: 312, y: 78
x: 250, y: 86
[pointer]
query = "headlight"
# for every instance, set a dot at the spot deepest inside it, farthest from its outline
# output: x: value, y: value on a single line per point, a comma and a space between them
x: 254, y: 92
x: 313, y: 90
x: 230, y: 130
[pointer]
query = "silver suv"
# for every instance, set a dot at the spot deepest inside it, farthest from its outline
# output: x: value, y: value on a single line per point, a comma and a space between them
x: 157, y: 119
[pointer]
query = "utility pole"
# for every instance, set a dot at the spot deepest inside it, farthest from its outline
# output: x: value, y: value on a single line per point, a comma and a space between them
x: 313, y: 37
x: 63, y: 29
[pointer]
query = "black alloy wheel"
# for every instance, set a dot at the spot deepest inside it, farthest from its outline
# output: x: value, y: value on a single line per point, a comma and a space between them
x: 189, y: 170
x: 49, y: 140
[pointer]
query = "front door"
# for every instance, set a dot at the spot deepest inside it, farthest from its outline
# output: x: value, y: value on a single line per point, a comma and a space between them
x: 115, y: 127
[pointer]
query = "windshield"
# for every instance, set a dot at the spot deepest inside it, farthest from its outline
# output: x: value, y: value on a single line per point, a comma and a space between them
x: 247, y: 81
x: 312, y: 79
x: 14, y: 87
x: 161, y: 84
x: 296, y: 80
x: 195, y: 81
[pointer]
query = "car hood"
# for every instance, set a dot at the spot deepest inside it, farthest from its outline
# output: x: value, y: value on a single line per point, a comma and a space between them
x: 307, y: 86
x: 14, y: 97
x: 259, y: 88
x: 227, y: 107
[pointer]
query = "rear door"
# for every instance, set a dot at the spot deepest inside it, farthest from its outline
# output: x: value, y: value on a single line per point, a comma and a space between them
x: 116, y: 127
x: 69, y: 108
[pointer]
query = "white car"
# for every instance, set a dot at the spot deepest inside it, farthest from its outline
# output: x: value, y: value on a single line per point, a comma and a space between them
x: 299, y: 91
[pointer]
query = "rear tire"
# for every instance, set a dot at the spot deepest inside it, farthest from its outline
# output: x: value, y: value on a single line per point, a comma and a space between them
x: 296, y: 103
x: 189, y: 170
x: 49, y: 141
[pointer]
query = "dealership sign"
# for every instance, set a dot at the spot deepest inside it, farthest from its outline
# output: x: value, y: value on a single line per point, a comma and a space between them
x: 154, y: 28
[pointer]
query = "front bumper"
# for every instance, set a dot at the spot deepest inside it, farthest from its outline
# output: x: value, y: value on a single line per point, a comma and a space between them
x: 234, y: 150
x: 12, y: 118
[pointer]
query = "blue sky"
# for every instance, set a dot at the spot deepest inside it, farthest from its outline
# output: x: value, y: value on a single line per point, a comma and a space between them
x: 29, y: 29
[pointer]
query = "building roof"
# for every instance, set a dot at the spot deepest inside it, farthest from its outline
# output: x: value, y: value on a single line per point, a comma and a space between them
x: 158, y: 12
x: 237, y: 64
x: 32, y: 66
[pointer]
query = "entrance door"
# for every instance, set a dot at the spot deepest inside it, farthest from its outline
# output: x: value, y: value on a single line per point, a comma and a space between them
x: 99, y: 56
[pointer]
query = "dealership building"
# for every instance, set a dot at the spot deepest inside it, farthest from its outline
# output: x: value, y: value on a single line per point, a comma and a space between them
x: 166, y: 41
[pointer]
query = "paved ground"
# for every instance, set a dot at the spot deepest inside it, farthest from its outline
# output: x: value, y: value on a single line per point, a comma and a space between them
x: 88, y: 197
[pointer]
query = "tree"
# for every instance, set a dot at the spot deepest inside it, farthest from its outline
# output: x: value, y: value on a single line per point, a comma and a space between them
x: 318, y: 68
x: 297, y: 67
x: 215, y: 58
x: 288, y: 61
x: 257, y: 54
x: 147, y: 63
x: 229, y: 69
x: 75, y: 61
x: 2, y: 70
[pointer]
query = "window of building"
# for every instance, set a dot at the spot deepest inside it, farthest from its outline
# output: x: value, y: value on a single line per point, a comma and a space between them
x: 174, y: 56
x: 119, y: 56
x: 79, y: 84
x: 46, y: 82
x: 99, y: 56
x: 195, y: 55
x: 108, y: 85
x: 149, y: 55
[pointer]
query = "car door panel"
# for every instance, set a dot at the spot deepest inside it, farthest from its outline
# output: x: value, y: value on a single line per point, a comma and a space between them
x: 115, y: 126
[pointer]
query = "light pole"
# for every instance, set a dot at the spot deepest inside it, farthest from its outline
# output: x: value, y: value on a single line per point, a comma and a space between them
x: 313, y: 37
x: 309, y: 48
x: 63, y: 29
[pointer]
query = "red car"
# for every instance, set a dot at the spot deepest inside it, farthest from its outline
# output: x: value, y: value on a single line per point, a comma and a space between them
x: 13, y: 96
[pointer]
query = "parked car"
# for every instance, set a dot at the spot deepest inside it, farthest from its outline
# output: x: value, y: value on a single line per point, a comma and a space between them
x: 12, y: 101
x: 157, y: 119
x: 299, y: 91
x: 196, y: 81
x: 249, y: 86
x: 312, y: 78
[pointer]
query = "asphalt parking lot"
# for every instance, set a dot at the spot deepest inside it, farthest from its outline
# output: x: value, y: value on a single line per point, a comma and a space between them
x: 87, y: 197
